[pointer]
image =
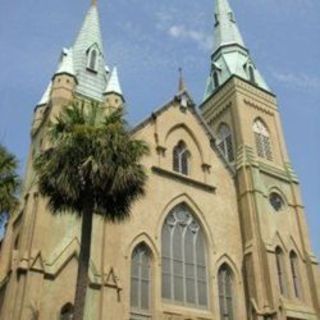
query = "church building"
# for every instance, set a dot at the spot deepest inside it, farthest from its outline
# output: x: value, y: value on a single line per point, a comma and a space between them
x: 221, y: 232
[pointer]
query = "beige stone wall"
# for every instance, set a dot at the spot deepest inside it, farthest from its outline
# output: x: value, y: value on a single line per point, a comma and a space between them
x: 239, y: 225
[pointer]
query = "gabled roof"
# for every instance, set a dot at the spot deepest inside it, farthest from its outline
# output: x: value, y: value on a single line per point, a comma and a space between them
x: 191, y: 106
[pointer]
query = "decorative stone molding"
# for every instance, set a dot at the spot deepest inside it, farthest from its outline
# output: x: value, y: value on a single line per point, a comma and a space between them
x: 184, y: 179
x: 258, y: 107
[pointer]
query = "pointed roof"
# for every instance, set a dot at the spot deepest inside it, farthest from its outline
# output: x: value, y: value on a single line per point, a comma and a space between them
x: 230, y: 55
x: 113, y: 85
x: 91, y: 82
x: 226, y: 29
x: 46, y: 96
x: 66, y: 63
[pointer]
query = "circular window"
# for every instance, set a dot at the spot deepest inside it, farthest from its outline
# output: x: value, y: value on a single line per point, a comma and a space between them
x: 276, y: 201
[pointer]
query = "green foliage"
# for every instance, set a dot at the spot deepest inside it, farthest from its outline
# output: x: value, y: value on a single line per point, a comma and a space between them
x: 9, y: 182
x: 93, y: 162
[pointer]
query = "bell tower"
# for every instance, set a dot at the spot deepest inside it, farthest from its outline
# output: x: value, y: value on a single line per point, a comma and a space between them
x: 280, y: 270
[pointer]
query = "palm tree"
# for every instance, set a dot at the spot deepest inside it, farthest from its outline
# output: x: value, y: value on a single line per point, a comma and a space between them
x: 9, y: 184
x: 92, y: 167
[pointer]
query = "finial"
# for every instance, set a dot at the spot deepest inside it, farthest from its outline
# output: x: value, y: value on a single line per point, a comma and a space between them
x: 93, y: 2
x: 182, y: 85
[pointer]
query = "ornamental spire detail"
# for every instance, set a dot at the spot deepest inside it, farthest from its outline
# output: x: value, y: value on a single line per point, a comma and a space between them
x: 230, y: 55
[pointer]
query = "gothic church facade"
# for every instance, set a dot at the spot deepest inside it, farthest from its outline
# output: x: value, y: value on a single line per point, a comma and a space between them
x: 221, y: 232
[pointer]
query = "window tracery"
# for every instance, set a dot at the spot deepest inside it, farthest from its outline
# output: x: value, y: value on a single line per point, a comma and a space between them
x: 262, y: 139
x: 184, y: 268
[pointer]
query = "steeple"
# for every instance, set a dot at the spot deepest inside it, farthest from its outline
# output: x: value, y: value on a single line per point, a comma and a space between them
x: 226, y: 31
x: 230, y: 55
x: 89, y: 58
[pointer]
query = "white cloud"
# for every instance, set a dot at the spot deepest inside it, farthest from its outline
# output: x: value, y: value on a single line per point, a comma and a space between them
x: 302, y: 81
x: 181, y: 32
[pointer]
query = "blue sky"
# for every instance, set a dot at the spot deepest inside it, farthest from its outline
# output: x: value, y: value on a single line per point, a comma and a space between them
x: 149, y: 40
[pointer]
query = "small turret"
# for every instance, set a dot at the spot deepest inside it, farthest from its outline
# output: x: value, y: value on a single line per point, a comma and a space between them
x: 64, y: 80
x: 40, y: 109
x: 113, y: 93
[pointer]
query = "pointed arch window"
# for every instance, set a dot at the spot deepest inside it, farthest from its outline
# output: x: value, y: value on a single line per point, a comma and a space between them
x: 226, y: 292
x: 92, y: 63
x: 140, y: 282
x: 225, y: 144
x: 66, y: 312
x: 181, y: 158
x: 262, y: 139
x: 281, y: 271
x: 295, y: 274
x: 184, y: 267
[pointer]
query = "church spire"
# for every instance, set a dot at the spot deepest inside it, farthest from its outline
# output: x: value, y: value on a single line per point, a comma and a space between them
x: 230, y: 55
x: 226, y: 31
x: 88, y: 56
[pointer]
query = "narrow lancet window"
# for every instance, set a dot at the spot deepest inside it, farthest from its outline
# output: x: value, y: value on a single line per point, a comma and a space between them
x: 181, y: 158
x: 225, y: 142
x: 92, y: 60
x: 140, y: 282
x: 216, y: 79
x: 226, y: 293
x: 295, y: 274
x: 251, y: 74
x: 281, y: 271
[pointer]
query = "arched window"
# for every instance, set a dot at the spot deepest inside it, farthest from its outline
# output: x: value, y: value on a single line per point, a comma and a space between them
x: 295, y: 274
x: 262, y: 138
x: 226, y: 292
x: 216, y: 79
x: 140, y: 282
x: 66, y: 312
x: 225, y: 144
x: 281, y: 271
x: 184, y: 267
x: 181, y: 156
x: 92, y: 60
x: 251, y: 74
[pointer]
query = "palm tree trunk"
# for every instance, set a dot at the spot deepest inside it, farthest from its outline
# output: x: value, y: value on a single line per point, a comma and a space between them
x: 83, y: 265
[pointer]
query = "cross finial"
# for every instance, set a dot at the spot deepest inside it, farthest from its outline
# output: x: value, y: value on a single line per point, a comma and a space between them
x: 182, y: 85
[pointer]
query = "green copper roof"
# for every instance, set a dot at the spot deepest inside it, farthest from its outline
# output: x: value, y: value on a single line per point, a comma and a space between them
x: 226, y: 31
x: 230, y: 55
